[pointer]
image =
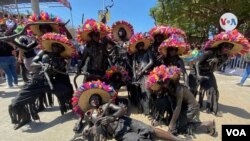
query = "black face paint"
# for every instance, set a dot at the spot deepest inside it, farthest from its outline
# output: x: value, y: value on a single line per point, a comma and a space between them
x: 122, y: 33
x: 45, y: 28
x: 140, y: 46
x: 95, y: 100
x: 172, y: 51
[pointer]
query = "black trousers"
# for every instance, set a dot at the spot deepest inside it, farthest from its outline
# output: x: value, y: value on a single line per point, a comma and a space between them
x: 27, y: 97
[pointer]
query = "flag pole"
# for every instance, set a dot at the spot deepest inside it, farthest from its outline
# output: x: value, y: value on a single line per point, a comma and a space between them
x: 17, y: 9
x: 71, y: 18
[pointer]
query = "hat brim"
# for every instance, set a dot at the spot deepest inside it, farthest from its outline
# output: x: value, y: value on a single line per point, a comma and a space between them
x: 85, y: 96
x: 155, y: 87
x: 181, y: 50
x: 115, y: 31
x: 46, y: 45
x: 132, y: 47
x: 85, y: 35
x: 236, y: 48
x: 35, y: 29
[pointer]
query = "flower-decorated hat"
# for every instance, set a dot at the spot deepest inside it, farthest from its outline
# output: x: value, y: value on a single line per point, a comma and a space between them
x: 175, y: 31
x: 119, y: 25
x: 80, y: 100
x: 114, y: 69
x: 49, y: 38
x: 175, y: 41
x: 91, y: 26
x: 241, y: 44
x: 173, y: 72
x: 160, y: 74
x: 137, y: 38
x: 160, y: 29
x: 43, y: 17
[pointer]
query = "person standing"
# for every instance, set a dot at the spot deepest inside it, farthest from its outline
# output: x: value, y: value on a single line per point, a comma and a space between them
x: 94, y: 50
x: 247, y: 70
x: 8, y: 63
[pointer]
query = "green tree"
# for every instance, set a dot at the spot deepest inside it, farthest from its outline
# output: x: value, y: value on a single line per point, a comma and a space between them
x: 198, y: 17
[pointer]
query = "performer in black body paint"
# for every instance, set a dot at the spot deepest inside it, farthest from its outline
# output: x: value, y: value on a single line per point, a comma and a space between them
x: 182, y: 106
x: 160, y: 33
x: 216, y: 53
x: 142, y: 61
x: 52, y: 79
x: 171, y: 49
x: 107, y: 121
x: 95, y: 52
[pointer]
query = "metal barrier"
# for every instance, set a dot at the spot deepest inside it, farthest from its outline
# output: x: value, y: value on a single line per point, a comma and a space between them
x: 235, y: 66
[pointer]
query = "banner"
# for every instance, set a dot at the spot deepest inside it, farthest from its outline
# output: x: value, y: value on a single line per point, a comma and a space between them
x: 101, y: 15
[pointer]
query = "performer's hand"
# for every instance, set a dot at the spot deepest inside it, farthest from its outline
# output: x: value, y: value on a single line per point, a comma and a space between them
x: 172, y: 128
x: 213, y: 61
x: 106, y: 120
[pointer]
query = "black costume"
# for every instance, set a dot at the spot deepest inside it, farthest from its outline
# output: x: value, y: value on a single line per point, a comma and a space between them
x: 156, y: 54
x: 162, y: 107
x: 209, y: 62
x: 123, y: 128
x: 96, y: 57
x: 24, y: 105
x: 142, y: 61
x: 163, y: 104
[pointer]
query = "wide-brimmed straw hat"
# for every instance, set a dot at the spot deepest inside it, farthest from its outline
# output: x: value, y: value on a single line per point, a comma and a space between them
x: 160, y: 74
x: 49, y: 38
x: 175, y: 41
x: 126, y: 26
x: 44, y: 17
x: 241, y: 44
x: 91, y: 26
x: 114, y: 69
x: 137, y: 38
x: 159, y: 30
x: 80, y: 100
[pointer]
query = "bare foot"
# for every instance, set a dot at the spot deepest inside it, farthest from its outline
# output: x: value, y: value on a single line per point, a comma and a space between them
x: 219, y: 114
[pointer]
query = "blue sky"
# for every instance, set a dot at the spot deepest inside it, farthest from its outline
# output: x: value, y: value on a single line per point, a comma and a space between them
x: 134, y: 11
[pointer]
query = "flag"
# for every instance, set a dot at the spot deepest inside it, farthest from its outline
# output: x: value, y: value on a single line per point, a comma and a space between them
x: 102, y: 16
x: 65, y: 3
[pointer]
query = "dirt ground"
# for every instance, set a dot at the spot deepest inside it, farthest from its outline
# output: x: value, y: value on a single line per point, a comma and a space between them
x: 234, y: 103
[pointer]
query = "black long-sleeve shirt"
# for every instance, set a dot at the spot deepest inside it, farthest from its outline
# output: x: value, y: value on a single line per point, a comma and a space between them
x: 5, y: 49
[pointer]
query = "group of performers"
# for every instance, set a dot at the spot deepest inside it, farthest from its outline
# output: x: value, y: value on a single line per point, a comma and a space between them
x: 149, y: 64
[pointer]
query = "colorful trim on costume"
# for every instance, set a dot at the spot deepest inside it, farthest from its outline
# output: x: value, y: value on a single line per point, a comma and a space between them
x: 115, y: 69
x: 233, y: 37
x: 59, y: 38
x: 90, y: 85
